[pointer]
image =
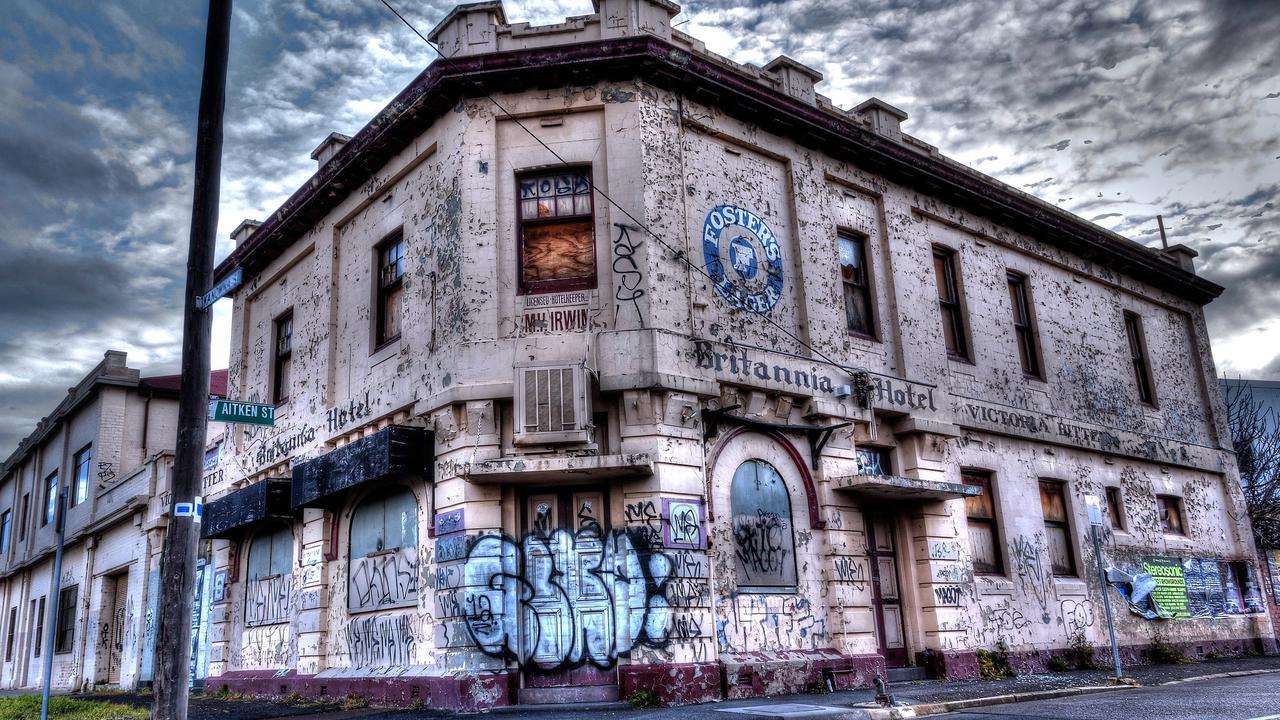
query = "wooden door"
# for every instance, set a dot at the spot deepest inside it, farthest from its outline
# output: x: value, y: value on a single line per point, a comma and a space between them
x: 115, y: 627
x: 886, y: 596
x: 568, y: 625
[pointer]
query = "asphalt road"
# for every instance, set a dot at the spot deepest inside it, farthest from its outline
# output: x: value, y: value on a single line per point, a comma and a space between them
x: 1243, y: 698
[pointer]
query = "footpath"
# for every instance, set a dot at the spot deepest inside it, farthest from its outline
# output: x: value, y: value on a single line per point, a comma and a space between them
x: 915, y: 699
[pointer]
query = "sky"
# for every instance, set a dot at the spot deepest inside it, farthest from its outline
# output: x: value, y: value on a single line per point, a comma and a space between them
x: 1113, y: 109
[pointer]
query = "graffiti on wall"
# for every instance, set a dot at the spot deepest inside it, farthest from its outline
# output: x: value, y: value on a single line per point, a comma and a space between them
x: 384, y: 579
x: 560, y: 599
x: 1028, y: 560
x: 629, y: 279
x: 383, y: 640
x: 753, y: 623
x: 268, y: 600
x: 683, y: 528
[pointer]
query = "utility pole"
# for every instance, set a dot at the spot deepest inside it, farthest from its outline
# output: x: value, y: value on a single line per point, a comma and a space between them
x: 178, y: 561
x: 55, y: 599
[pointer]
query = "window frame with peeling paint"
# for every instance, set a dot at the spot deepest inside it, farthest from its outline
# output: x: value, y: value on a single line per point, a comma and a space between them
x: 856, y: 284
x: 1024, y: 324
x: 951, y: 310
x: 388, y: 284
x: 281, y: 357
x: 1140, y: 358
x: 574, y: 215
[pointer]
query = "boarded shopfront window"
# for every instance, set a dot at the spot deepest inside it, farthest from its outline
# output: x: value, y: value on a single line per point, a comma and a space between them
x: 390, y: 278
x: 269, y: 571
x: 1170, y: 509
x: 764, y: 544
x: 557, y: 232
x: 857, y: 289
x: 1057, y: 528
x: 984, y: 536
x: 384, y: 552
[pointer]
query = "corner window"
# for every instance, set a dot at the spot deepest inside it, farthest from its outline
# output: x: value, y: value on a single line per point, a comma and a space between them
x: 65, y: 628
x: 1138, y: 357
x: 953, y: 328
x: 763, y: 541
x: 984, y: 535
x: 50, y: 499
x: 269, y: 578
x: 390, y: 296
x: 1057, y: 527
x: 1023, y: 330
x: 556, y: 226
x: 858, y: 314
x: 1170, y: 509
x: 282, y: 364
x: 383, y: 568
x: 1115, y: 509
x: 5, y: 521
x: 84, y: 465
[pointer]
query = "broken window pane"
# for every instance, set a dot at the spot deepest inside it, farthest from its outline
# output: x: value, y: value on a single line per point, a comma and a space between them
x: 557, y: 232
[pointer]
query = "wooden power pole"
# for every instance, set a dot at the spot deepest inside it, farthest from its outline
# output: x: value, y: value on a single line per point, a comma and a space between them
x: 178, y: 561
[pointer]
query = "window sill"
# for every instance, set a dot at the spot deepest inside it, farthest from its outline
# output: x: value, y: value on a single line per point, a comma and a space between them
x: 1070, y: 585
x: 993, y: 584
x: 384, y: 351
x: 863, y: 336
x: 1034, y: 378
x: 959, y: 359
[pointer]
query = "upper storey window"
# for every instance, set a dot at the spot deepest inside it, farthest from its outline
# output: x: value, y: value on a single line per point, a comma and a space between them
x: 390, y: 290
x: 1138, y: 356
x: 84, y: 465
x: 953, y: 330
x: 556, y: 221
x: 1023, y: 330
x: 857, y: 289
x: 282, y: 369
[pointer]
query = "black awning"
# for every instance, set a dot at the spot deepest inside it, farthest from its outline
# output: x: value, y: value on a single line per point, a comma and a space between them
x: 230, y: 514
x: 395, y: 450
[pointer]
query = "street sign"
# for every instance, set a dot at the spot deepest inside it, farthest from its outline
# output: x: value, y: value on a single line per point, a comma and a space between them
x: 246, y: 413
x: 229, y: 283
x: 1093, y: 504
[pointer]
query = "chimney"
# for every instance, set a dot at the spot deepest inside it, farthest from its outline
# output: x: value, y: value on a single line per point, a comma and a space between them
x: 244, y: 230
x: 329, y: 147
x: 797, y: 79
x: 634, y: 17
x: 885, y: 119
x: 1184, y: 256
x: 469, y: 29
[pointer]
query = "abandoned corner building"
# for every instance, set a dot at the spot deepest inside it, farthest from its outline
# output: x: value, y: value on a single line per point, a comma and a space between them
x: 602, y: 363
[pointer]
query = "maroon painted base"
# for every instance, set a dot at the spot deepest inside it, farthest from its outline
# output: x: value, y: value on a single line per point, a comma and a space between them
x: 471, y: 692
x: 672, y: 684
x: 760, y: 674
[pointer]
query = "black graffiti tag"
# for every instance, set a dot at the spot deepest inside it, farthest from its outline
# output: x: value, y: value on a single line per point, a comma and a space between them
x: 628, y: 272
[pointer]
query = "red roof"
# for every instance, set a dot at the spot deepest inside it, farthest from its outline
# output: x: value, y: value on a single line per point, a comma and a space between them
x: 172, y: 383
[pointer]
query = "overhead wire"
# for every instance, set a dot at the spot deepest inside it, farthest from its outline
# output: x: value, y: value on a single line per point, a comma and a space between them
x: 676, y: 252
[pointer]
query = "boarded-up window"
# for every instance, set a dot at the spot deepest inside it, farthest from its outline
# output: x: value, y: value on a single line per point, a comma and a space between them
x: 557, y: 232
x: 1115, y: 508
x: 384, y: 552
x: 1057, y: 528
x: 984, y: 536
x: 269, y: 585
x: 764, y: 544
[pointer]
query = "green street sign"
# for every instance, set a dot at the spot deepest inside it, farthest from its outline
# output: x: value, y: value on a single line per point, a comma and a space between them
x: 233, y: 411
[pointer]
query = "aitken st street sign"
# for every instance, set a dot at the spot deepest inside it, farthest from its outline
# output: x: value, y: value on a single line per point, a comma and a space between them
x: 247, y: 413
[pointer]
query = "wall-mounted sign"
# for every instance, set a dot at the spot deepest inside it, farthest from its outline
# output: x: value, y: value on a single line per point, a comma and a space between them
x: 743, y: 258
x: 229, y: 283
x: 555, y: 313
x: 245, y: 413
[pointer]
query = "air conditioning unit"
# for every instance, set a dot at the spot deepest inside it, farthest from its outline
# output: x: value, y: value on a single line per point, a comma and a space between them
x: 551, y: 405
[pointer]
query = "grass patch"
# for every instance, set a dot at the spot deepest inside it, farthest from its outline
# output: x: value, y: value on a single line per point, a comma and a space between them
x: 27, y: 707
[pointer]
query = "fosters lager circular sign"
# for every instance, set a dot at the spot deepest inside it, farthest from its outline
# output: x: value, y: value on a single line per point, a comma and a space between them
x: 743, y: 258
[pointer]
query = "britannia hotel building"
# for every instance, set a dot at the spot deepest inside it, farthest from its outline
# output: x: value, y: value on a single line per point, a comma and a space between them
x: 671, y: 374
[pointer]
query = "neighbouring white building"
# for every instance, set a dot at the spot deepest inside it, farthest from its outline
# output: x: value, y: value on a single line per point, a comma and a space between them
x: 724, y: 391
x: 109, y: 446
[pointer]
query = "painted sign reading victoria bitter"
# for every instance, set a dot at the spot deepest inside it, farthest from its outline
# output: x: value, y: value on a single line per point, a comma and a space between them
x: 743, y: 258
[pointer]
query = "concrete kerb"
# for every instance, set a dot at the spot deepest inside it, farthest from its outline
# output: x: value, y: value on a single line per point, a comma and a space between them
x: 1218, y: 676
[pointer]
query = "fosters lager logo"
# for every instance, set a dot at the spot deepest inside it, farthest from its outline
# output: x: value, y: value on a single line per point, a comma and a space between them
x: 743, y: 258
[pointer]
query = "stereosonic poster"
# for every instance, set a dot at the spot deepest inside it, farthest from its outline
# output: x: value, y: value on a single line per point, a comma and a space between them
x: 1170, y: 594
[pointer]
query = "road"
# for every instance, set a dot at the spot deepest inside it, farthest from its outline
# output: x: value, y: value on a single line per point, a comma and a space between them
x: 1243, y: 698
